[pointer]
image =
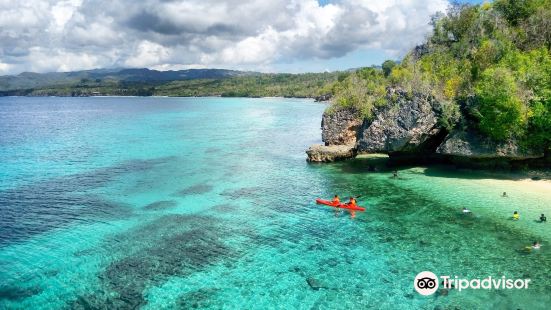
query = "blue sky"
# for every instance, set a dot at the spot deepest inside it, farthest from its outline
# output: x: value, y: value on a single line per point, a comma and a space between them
x: 268, y: 36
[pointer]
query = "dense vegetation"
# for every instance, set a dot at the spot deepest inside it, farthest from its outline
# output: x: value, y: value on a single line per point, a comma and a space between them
x: 143, y: 82
x: 265, y: 85
x: 489, y: 65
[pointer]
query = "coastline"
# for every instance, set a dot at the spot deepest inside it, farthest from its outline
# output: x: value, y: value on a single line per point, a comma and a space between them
x: 164, y: 96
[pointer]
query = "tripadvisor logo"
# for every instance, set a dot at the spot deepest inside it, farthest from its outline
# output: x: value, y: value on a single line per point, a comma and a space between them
x: 426, y: 283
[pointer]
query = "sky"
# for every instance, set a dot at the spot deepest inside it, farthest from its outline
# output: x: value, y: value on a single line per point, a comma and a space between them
x: 257, y: 35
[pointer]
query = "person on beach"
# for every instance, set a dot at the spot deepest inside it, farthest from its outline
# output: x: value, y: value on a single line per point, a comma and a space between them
x: 504, y: 194
x: 543, y: 218
x: 536, y: 245
x: 516, y: 216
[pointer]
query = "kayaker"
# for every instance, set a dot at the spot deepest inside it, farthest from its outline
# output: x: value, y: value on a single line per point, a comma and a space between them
x: 516, y: 216
x: 336, y: 200
x: 352, y: 203
x: 543, y: 218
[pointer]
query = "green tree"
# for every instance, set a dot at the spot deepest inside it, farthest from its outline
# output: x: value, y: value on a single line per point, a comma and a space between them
x: 501, y: 113
x: 387, y: 67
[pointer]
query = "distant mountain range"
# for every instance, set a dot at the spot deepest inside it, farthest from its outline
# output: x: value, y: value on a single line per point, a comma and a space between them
x: 29, y: 80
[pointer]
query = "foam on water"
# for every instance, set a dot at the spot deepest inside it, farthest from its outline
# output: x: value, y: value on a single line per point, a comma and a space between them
x: 208, y: 203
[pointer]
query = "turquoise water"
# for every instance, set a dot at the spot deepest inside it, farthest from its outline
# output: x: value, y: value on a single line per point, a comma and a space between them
x: 208, y: 203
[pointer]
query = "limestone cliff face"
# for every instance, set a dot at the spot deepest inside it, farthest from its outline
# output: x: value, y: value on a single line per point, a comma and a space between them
x: 469, y: 144
x: 340, y: 127
x: 408, y: 126
x: 405, y: 124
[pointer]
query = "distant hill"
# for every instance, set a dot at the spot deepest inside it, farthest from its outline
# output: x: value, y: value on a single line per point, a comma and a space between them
x: 29, y: 80
x: 185, y: 83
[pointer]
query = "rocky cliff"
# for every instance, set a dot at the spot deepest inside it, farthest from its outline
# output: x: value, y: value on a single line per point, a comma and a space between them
x: 408, y: 126
x: 469, y: 144
x: 340, y: 127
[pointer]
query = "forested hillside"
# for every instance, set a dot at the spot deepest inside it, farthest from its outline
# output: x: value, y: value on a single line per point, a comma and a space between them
x: 488, y: 65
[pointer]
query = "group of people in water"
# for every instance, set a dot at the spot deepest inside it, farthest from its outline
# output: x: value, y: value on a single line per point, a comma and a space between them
x: 516, y: 216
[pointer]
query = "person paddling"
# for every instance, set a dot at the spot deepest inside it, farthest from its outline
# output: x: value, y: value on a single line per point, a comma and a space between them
x: 336, y: 200
x: 516, y: 216
x: 352, y: 203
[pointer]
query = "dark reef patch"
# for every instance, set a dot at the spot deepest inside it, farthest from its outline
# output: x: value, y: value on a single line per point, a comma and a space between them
x: 171, y: 246
x: 195, y: 190
x: 161, y: 205
x: 16, y: 293
x: 39, y: 207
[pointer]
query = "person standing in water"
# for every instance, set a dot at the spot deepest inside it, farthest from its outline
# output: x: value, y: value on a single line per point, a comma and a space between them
x: 543, y: 218
x: 395, y: 174
x: 516, y: 216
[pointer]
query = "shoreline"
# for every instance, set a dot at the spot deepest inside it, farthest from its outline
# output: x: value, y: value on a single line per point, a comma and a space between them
x: 168, y: 96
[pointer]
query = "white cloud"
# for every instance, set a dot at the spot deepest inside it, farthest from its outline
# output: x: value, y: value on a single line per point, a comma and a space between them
x: 43, y: 35
x: 148, y: 54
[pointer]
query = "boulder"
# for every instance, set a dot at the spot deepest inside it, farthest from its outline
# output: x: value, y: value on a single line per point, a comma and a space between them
x: 470, y: 144
x: 323, y: 153
x: 339, y: 127
x: 407, y: 124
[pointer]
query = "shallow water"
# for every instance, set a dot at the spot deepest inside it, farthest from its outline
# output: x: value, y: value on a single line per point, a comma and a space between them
x: 208, y: 203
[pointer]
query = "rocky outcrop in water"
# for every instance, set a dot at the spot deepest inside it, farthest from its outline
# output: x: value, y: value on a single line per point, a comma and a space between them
x: 324, y: 153
x: 325, y: 97
x: 408, y: 127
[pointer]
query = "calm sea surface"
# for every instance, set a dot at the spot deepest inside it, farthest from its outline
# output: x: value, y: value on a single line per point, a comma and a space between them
x: 209, y: 203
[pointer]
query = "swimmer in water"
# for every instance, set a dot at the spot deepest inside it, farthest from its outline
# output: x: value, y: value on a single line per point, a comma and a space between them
x: 536, y: 245
x: 504, y: 194
x: 516, y: 216
x: 543, y: 218
x: 466, y: 211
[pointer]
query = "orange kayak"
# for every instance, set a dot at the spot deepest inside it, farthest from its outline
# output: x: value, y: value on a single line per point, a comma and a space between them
x: 339, y: 205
